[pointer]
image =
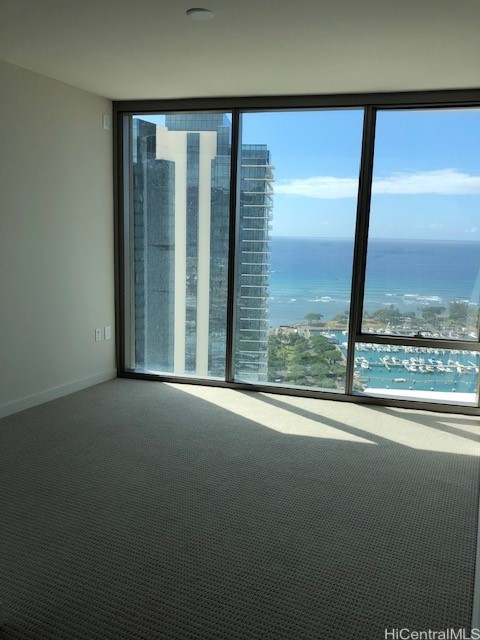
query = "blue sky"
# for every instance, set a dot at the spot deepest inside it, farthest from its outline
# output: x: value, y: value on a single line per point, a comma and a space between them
x: 426, y: 172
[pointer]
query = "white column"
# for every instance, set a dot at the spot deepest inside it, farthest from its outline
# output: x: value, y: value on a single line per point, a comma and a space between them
x: 172, y: 145
x: 208, y: 148
x: 180, y: 290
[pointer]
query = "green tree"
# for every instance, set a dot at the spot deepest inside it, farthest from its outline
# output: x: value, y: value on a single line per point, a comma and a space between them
x: 337, y: 370
x: 389, y: 315
x: 319, y: 369
x: 341, y: 318
x: 325, y: 383
x: 296, y: 375
x: 458, y: 312
x: 332, y: 355
x: 313, y: 318
x: 304, y: 361
x: 431, y: 314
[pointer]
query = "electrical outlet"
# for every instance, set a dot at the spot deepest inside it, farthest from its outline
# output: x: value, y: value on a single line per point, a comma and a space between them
x: 98, y: 335
x: 107, y: 332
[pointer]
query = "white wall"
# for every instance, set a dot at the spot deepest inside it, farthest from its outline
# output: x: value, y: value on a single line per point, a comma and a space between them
x: 56, y: 239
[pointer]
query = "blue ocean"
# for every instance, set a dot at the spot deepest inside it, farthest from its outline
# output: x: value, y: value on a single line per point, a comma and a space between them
x: 314, y: 275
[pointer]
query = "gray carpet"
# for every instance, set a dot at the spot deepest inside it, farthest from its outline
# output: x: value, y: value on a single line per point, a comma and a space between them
x: 139, y: 510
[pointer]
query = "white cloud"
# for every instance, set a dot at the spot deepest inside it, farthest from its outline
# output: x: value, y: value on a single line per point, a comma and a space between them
x: 440, y: 182
x: 323, y: 187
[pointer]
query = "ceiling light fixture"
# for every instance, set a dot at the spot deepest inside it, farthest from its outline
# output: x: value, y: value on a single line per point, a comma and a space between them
x: 200, y: 14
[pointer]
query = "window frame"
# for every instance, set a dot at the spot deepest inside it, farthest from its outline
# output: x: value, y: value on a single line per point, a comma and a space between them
x: 371, y: 104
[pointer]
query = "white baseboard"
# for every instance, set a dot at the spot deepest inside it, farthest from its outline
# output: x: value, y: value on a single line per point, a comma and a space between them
x: 57, y: 392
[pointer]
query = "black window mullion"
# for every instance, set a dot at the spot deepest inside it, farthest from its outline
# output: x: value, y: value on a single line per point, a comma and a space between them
x: 232, y: 245
x: 361, y: 241
x: 125, y: 238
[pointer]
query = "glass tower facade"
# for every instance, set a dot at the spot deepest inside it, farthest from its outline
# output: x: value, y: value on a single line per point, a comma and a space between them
x: 153, y: 181
x: 256, y: 205
x: 181, y: 201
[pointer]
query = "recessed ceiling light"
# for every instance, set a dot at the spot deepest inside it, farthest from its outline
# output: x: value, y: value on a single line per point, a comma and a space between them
x: 200, y: 14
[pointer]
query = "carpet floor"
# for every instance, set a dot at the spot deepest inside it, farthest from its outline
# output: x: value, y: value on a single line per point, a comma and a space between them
x: 138, y: 510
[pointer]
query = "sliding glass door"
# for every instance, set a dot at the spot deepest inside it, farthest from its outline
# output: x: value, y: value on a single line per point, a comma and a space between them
x: 325, y: 251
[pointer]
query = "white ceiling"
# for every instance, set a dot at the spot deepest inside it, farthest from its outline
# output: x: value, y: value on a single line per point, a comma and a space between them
x: 124, y: 49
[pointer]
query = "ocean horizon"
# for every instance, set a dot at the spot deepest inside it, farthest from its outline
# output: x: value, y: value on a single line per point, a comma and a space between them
x: 313, y: 275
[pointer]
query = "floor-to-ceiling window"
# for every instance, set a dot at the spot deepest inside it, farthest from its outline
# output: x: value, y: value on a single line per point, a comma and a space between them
x: 296, y: 220
x: 333, y: 251
x: 423, y: 257
x: 180, y: 195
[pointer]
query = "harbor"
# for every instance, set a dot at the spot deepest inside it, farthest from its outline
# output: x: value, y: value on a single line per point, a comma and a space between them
x: 379, y: 366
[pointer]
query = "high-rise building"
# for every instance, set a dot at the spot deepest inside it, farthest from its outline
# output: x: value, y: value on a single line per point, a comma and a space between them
x: 181, y: 175
x: 256, y: 205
